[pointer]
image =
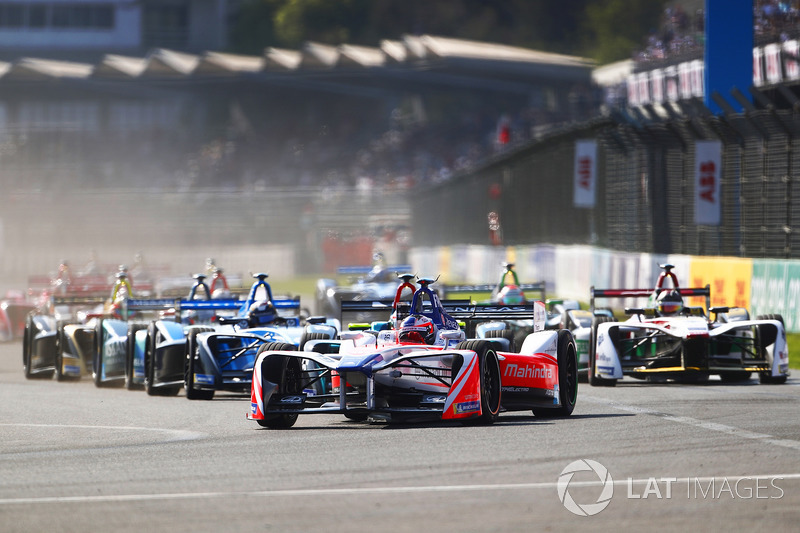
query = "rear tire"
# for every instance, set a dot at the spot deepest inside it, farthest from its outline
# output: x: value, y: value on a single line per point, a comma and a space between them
x: 489, y: 367
x: 596, y: 381
x: 504, y: 334
x: 567, y: 377
x: 286, y: 372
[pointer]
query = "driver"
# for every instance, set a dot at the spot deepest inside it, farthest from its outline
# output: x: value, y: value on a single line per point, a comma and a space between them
x: 669, y: 303
x: 261, y: 312
x: 417, y: 329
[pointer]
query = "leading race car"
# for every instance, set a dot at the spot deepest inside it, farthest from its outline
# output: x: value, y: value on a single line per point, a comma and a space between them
x: 669, y: 340
x: 423, y: 368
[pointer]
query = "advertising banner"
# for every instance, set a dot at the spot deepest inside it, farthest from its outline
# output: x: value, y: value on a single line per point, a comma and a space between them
x: 585, y: 173
x: 729, y: 278
x: 707, y: 189
x: 776, y: 290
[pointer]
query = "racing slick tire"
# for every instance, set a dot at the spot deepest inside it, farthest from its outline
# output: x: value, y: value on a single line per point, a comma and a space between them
x: 567, y: 377
x: 503, y: 334
x: 191, y: 367
x: 489, y: 366
x: 97, y: 356
x: 129, y: 353
x: 27, y: 346
x: 766, y: 336
x: 310, y: 336
x: 286, y: 372
x: 61, y: 345
x: 27, y: 351
x: 594, y: 380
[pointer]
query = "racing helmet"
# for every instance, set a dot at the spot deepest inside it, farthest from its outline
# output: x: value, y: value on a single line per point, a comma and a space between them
x: 669, y: 303
x: 418, y: 329
x: 261, y: 312
x: 511, y: 294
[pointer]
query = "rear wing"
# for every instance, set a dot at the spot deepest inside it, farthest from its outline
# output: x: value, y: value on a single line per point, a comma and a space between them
x: 359, y: 311
x: 646, y: 293
x: 538, y: 287
x: 355, y: 270
x: 472, y: 313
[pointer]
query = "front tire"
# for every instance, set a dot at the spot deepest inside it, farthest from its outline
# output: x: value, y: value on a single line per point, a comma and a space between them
x: 490, y: 391
x: 192, y: 358
x: 99, y: 342
x: 129, y: 357
x: 594, y: 380
x: 767, y: 336
x: 567, y: 377
x: 286, y: 372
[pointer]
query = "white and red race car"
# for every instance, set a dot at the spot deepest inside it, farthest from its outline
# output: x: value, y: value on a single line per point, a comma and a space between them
x: 667, y: 340
x: 392, y: 375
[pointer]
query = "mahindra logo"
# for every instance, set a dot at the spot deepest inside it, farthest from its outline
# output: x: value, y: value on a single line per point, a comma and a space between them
x: 528, y: 371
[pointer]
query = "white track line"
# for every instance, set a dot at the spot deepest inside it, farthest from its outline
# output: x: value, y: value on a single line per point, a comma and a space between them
x: 711, y: 426
x: 550, y: 485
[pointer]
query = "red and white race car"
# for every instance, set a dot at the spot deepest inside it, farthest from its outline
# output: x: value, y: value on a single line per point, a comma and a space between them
x: 666, y: 339
x: 421, y: 367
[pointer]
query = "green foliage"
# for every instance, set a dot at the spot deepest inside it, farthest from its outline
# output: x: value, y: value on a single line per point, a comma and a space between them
x: 605, y: 30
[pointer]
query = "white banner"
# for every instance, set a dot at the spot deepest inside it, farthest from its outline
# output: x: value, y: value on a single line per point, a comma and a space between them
x: 707, y: 177
x: 585, y: 173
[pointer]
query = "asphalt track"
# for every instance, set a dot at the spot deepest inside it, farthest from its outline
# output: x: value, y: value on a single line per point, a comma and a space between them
x: 77, y: 458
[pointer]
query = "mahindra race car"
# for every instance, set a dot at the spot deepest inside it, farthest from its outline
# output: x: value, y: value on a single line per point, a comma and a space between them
x: 669, y: 340
x: 421, y: 368
x: 378, y: 282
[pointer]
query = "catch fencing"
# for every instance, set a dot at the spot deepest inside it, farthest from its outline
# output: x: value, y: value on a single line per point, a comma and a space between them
x: 645, y: 185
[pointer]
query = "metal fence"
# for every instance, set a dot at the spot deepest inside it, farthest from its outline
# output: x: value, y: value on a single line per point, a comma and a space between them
x: 644, y: 190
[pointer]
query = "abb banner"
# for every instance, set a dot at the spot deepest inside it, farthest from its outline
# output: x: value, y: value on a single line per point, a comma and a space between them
x: 585, y: 173
x: 707, y: 176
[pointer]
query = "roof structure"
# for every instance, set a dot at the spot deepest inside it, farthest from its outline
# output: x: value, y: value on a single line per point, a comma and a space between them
x: 411, y: 52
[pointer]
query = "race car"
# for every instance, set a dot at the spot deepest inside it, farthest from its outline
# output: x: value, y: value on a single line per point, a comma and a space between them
x: 222, y: 357
x: 14, y: 308
x: 421, y: 368
x: 378, y: 282
x: 668, y: 340
x: 122, y: 341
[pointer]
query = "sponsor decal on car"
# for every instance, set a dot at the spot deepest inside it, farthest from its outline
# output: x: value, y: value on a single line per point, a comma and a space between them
x: 528, y: 371
x: 466, y: 407
x: 204, y: 379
